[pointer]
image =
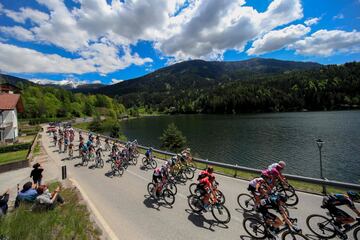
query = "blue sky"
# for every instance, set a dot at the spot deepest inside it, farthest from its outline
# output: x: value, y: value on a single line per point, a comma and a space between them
x: 109, y: 41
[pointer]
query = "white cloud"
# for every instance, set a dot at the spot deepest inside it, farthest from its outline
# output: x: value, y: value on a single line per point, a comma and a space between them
x: 278, y: 39
x: 339, y: 16
x: 326, y: 43
x: 221, y: 25
x: 17, y: 32
x: 96, y: 82
x: 115, y: 81
x: 312, y: 21
x: 24, y: 14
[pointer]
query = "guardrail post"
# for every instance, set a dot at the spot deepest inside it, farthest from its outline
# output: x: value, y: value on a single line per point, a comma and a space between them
x: 207, y: 163
x: 324, y: 186
x: 235, y: 175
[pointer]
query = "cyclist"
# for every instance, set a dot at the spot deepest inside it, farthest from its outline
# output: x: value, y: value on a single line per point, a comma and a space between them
x: 98, y: 140
x: 187, y: 154
x: 81, y: 144
x: 206, y: 173
x: 148, y: 154
x: 205, y: 187
x: 259, y: 189
x: 273, y: 173
x: 172, y: 164
x: 60, y: 143
x: 159, y: 177
x: 342, y: 219
x: 275, y: 202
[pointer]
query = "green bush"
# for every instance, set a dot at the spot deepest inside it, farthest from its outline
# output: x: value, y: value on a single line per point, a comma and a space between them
x: 172, y: 138
x: 15, y: 147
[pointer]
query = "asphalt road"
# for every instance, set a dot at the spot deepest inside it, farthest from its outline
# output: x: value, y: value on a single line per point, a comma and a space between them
x: 130, y: 213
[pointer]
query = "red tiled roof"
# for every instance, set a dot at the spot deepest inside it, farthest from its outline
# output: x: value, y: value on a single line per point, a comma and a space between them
x: 9, y: 101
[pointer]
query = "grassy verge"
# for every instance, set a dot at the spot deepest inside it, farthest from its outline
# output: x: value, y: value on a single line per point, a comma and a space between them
x: 25, y: 139
x: 13, y: 156
x: 68, y: 221
x: 84, y: 126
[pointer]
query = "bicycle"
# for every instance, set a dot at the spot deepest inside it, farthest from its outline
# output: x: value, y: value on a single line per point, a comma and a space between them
x: 259, y: 229
x: 149, y: 163
x: 218, y: 210
x: 99, y: 162
x: 326, y: 228
x: 165, y: 193
x: 117, y: 167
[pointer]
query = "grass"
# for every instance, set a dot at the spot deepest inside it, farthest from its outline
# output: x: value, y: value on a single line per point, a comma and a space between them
x: 68, y: 221
x: 84, y: 125
x: 13, y: 156
x: 25, y: 139
x: 36, y: 149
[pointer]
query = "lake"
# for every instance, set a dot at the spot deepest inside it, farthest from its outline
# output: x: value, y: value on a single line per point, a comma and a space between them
x: 257, y: 140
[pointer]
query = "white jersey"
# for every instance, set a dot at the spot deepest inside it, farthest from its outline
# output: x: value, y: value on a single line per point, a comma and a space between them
x: 255, y: 181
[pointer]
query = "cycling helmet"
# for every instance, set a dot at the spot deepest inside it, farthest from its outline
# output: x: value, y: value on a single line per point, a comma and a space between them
x: 353, y: 195
x: 210, y: 169
x: 282, y: 164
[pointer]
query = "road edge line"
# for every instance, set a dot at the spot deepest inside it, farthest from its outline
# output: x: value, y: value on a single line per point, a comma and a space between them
x: 96, y: 212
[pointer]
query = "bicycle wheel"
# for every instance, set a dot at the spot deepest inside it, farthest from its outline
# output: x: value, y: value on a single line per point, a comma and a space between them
x: 151, y: 188
x: 85, y: 162
x: 221, y: 213
x: 192, y: 188
x: 188, y: 173
x: 293, y: 236
x: 172, y: 187
x: 144, y: 162
x: 357, y: 234
x: 195, y: 203
x: 246, y: 202
x: 292, y: 201
x: 153, y: 163
x: 168, y: 196
x: 321, y: 226
x: 255, y: 228
x: 134, y: 160
x: 101, y: 163
x: 220, y: 197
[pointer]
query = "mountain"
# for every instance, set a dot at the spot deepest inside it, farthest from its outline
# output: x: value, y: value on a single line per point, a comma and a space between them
x: 202, y: 74
x: 19, y: 82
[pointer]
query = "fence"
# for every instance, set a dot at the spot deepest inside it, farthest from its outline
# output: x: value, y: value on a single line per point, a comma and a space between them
x: 323, y: 182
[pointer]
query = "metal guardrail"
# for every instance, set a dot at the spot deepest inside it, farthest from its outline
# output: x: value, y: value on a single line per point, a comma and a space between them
x: 324, y: 182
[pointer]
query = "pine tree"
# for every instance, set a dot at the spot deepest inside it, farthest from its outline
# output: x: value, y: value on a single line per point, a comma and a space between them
x: 173, y: 139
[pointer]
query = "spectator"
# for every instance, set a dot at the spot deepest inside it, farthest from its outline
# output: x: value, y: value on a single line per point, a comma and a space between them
x: 4, y: 203
x: 27, y: 194
x: 47, y: 199
x: 36, y: 174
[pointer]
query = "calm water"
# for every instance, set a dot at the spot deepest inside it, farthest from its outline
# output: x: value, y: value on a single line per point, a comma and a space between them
x: 256, y: 140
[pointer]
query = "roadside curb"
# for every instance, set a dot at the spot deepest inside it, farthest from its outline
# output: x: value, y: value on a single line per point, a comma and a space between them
x: 109, y: 232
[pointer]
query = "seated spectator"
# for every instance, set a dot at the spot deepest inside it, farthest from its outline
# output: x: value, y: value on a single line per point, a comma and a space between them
x: 36, y: 173
x: 27, y: 194
x: 4, y: 203
x: 47, y: 200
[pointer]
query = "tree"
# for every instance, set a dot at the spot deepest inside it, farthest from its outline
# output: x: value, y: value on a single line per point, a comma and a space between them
x: 96, y: 124
x: 172, y: 138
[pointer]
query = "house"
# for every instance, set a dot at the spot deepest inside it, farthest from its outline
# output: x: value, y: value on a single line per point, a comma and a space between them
x: 9, y: 88
x: 10, y: 105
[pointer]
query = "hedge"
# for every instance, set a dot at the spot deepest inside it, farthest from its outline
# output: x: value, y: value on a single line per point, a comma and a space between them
x: 15, y: 147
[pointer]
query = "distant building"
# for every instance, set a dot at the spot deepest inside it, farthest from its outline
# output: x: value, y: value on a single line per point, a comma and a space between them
x: 10, y: 105
x: 9, y: 88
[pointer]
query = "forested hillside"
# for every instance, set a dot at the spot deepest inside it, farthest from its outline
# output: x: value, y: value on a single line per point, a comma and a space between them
x: 327, y: 88
x: 52, y: 102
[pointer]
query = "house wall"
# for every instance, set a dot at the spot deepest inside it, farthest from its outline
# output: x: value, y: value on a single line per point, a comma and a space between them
x: 11, y: 132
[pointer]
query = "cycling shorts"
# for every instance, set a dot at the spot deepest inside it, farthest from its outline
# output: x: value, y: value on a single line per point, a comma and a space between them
x: 338, y: 213
x: 157, y: 178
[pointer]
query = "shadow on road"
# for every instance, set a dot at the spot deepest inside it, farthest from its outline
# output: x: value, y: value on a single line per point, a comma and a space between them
x: 57, y: 151
x: 313, y: 237
x: 151, y: 202
x: 244, y: 237
x: 199, y: 220
x: 109, y: 174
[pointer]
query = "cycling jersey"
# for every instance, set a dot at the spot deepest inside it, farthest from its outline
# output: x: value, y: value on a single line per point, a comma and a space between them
x: 148, y: 153
x: 253, y: 183
x: 338, y: 200
x: 203, y: 174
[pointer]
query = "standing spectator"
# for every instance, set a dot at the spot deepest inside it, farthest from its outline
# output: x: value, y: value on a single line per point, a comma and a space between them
x: 36, y: 174
x: 4, y: 203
